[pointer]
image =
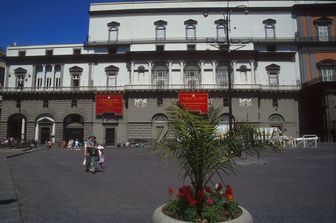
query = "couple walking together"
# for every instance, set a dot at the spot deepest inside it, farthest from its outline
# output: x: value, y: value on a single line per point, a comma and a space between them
x: 93, y: 155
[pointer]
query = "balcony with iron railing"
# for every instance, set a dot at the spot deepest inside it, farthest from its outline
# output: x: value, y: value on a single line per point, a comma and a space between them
x: 194, y: 40
x: 153, y: 87
x: 320, y: 79
x: 316, y: 40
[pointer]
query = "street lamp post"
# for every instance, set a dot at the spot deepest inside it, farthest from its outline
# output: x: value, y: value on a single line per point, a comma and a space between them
x: 227, y: 21
x: 227, y: 29
x: 19, y: 118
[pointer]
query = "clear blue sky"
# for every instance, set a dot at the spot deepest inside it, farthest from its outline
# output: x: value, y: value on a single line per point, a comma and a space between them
x: 34, y: 22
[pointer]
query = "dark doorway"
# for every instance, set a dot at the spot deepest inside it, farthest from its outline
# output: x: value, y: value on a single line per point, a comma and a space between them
x: 45, y: 134
x: 74, y: 133
x: 110, y: 136
x: 14, y: 126
x: 73, y: 127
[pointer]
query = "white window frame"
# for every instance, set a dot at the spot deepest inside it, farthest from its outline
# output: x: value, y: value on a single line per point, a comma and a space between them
x: 190, y: 32
x: 160, y: 32
x: 112, y: 79
x: 270, y: 31
x: 113, y: 34
x: 323, y: 32
x: 74, y: 78
x: 221, y: 32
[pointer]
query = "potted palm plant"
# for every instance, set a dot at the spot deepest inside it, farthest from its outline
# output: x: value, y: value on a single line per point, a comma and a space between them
x: 194, y: 142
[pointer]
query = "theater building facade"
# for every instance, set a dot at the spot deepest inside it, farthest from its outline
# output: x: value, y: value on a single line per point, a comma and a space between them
x: 141, y: 57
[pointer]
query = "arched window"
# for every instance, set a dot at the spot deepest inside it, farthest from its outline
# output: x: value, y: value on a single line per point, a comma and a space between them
x: 222, y: 74
x: 192, y: 74
x: 160, y: 74
x: 276, y: 120
x: 160, y: 71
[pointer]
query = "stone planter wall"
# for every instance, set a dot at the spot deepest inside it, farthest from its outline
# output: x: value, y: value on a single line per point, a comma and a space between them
x: 160, y: 217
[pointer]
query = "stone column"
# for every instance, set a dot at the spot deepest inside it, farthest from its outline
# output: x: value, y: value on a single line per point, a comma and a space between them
x: 36, y: 131
x: 253, y: 77
x: 214, y: 72
x: 90, y: 74
x: 233, y: 73
x: 44, y: 75
x: 23, y: 124
x: 149, y: 73
x: 182, y: 72
x: 33, y: 76
x: 53, y: 132
x: 7, y: 75
x: 62, y: 74
x: 132, y: 73
x: 170, y: 73
x: 202, y: 72
x: 53, y: 75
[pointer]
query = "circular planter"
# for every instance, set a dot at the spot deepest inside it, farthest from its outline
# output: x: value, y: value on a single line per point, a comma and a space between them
x: 160, y: 217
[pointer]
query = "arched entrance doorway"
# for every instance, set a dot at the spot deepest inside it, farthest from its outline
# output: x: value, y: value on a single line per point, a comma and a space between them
x: 276, y: 120
x: 159, y: 125
x: 17, y: 126
x: 45, y: 129
x: 73, y: 127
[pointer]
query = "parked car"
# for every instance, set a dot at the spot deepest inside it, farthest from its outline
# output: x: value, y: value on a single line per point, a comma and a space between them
x: 306, y: 140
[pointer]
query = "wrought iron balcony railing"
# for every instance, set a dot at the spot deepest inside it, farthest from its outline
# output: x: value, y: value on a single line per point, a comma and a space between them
x: 320, y: 79
x: 194, y: 40
x: 153, y: 87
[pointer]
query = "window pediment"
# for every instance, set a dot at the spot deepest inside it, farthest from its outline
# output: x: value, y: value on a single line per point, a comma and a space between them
x: 220, y: 22
x: 20, y: 70
x: 160, y: 23
x: 113, y: 24
x: 75, y: 69
x: 273, y: 67
x: 190, y: 22
x: 322, y: 21
x: 111, y: 68
x: 327, y: 62
x: 269, y: 21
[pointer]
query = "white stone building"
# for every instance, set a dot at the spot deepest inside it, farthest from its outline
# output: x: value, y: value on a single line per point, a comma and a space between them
x: 142, y: 56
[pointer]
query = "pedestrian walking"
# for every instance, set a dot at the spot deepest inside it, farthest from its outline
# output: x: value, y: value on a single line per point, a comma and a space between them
x: 90, y: 154
x: 101, y: 156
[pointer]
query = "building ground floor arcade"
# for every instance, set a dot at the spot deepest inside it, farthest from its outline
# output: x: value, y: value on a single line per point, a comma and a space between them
x: 134, y: 117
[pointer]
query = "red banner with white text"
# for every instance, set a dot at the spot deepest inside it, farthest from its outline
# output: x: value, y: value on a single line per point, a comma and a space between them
x: 109, y: 104
x: 194, y: 101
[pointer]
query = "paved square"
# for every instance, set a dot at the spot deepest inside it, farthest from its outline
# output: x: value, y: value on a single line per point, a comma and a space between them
x: 295, y: 186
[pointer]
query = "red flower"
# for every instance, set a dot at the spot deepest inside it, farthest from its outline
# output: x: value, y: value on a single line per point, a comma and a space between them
x: 192, y: 202
x: 210, y: 201
x: 170, y: 191
x: 208, y: 189
x: 201, y: 194
x: 228, y: 190
x: 229, y: 193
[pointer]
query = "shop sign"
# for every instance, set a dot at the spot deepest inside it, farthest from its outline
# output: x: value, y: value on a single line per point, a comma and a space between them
x: 109, y: 104
x: 194, y: 101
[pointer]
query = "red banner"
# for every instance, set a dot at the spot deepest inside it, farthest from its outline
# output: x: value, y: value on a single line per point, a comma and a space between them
x: 109, y: 104
x: 194, y: 101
